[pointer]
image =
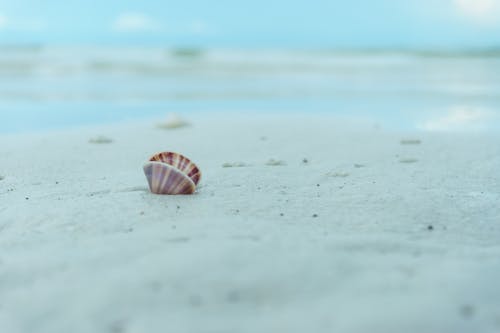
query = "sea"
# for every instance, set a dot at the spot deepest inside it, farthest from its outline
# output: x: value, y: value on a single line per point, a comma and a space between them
x: 48, y: 87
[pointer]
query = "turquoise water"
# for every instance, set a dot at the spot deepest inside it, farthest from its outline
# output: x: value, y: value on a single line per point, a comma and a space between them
x: 48, y: 87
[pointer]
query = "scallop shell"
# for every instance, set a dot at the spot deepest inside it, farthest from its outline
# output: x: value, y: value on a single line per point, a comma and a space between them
x: 171, y: 173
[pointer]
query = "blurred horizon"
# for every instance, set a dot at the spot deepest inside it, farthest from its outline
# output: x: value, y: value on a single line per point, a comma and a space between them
x: 55, y: 87
x: 190, y: 51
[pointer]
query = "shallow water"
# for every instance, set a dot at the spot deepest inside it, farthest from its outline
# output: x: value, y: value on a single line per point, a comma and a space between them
x: 48, y: 87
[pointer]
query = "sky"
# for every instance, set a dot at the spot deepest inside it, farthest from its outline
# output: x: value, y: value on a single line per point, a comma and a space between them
x: 329, y: 24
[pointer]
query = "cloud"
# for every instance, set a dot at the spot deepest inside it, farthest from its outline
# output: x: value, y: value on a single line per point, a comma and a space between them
x: 135, y: 22
x: 460, y: 118
x: 479, y: 11
x: 3, y: 21
x: 198, y: 27
x: 21, y: 24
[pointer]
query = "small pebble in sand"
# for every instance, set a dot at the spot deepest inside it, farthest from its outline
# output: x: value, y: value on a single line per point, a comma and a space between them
x: 117, y: 326
x: 408, y: 160
x: 234, y: 165
x: 410, y: 142
x: 337, y: 174
x: 100, y: 140
x: 273, y: 162
x: 173, y: 121
x: 233, y: 296
x: 467, y: 311
x: 195, y: 300
x: 178, y: 240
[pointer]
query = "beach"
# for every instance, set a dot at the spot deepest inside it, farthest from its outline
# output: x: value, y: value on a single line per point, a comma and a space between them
x: 301, y: 223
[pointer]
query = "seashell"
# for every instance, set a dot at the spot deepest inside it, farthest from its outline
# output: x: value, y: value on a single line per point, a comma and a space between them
x: 100, y: 140
x: 410, y: 142
x: 171, y: 173
x: 173, y: 121
x: 235, y: 165
x: 273, y: 162
x: 337, y: 174
x: 408, y: 160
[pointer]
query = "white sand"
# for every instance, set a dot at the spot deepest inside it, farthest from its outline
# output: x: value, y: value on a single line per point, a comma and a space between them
x: 84, y: 246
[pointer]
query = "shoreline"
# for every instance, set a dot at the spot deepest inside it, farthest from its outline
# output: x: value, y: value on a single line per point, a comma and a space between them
x: 301, y: 223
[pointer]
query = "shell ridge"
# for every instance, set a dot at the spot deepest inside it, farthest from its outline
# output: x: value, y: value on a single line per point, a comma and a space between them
x: 166, y: 172
x: 181, y: 163
x: 166, y: 179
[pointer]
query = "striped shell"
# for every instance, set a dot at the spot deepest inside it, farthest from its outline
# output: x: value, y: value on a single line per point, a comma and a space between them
x: 171, y: 173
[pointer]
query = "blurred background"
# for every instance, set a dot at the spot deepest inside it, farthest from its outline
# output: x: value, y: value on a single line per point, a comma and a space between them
x: 430, y: 65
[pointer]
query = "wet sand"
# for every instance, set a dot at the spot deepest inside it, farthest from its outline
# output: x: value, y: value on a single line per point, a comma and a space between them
x: 300, y: 224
